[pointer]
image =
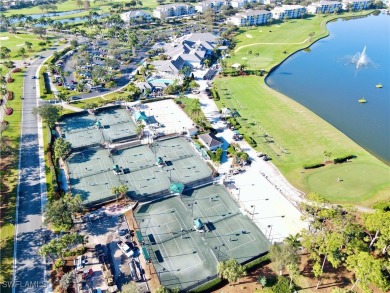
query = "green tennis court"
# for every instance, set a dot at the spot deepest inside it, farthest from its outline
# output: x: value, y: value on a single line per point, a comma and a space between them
x: 143, y: 176
x: 184, y: 257
x: 117, y: 124
x: 81, y: 129
x: 91, y: 175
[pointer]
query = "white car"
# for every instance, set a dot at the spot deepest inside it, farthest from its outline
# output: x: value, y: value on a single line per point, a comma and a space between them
x: 125, y: 248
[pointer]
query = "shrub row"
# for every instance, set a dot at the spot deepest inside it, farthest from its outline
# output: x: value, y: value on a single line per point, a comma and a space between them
x: 215, y: 94
x: 208, y: 286
x: 250, y: 140
x: 313, y: 165
x: 343, y: 159
x: 53, y: 59
x: 217, y: 282
x: 254, y: 264
x: 155, y: 100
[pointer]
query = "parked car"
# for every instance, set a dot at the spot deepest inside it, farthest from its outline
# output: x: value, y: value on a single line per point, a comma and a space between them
x: 121, y: 232
x: 125, y: 248
x: 33, y: 76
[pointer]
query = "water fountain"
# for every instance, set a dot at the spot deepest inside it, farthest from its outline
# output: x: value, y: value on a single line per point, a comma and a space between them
x: 360, y: 58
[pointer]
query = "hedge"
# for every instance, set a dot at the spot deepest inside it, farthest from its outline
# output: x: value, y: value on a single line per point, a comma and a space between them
x: 313, y: 165
x: 343, y: 159
x: 53, y: 60
x: 215, y: 94
x: 262, y: 260
x: 250, y: 140
x: 213, y: 284
x: 155, y: 100
x: 382, y: 205
x: 208, y: 286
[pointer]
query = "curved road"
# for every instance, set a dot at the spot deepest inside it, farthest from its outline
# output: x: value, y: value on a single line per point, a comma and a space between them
x: 29, y: 267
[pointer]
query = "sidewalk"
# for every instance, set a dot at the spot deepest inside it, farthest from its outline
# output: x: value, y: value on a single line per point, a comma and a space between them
x: 261, y: 191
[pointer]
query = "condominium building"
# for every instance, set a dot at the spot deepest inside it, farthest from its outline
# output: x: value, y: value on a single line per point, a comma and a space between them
x: 136, y: 16
x: 172, y: 10
x: 324, y: 7
x: 288, y: 11
x: 356, y: 4
x: 210, y: 4
x: 242, y: 3
x: 250, y: 17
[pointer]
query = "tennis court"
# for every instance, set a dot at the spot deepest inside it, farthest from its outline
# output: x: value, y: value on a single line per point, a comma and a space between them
x: 144, y: 177
x: 117, y: 124
x: 184, y: 257
x: 91, y: 175
x: 81, y: 131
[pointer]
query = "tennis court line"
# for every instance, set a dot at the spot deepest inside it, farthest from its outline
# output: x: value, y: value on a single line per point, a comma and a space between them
x: 197, y: 247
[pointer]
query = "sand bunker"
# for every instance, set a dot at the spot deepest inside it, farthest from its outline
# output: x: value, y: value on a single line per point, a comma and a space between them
x: 4, y: 38
x: 248, y: 36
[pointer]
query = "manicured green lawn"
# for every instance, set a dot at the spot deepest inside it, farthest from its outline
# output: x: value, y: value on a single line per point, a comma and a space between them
x: 297, y: 136
x: 70, y: 5
x: 15, y: 41
x: 271, y: 41
x: 7, y: 229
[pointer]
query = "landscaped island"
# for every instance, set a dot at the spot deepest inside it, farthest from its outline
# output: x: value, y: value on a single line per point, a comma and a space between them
x: 291, y: 134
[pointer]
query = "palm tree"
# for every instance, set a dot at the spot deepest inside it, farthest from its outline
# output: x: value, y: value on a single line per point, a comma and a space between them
x: 293, y: 241
x: 132, y: 39
x: 123, y: 189
x: 115, y: 191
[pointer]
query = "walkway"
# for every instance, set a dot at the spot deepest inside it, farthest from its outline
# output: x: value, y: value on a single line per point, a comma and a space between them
x: 262, y: 191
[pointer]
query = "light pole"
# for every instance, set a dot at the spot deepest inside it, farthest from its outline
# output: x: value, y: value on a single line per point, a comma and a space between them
x: 270, y: 231
x: 253, y: 212
x: 238, y: 194
x: 218, y: 248
x: 192, y: 209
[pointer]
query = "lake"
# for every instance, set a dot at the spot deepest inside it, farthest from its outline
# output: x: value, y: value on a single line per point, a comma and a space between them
x: 326, y: 80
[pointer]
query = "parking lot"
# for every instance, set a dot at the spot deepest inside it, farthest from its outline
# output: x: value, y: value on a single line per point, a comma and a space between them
x: 103, y: 229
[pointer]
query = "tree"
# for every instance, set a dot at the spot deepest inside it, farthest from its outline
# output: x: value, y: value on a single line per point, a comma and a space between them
x: 262, y: 280
x: 22, y: 52
x: 42, y: 44
x: 162, y: 289
x: 39, y: 30
x: 48, y: 250
x: 28, y: 45
x: 79, y: 3
x: 327, y: 155
x: 207, y: 63
x: 230, y: 270
x: 282, y: 256
x: 74, y: 43
x: 130, y: 287
x: 48, y: 113
x: 66, y: 280
x: 61, y: 148
x: 133, y: 40
x: 60, y: 212
x: 87, y: 5
x: 140, y: 129
x: 367, y: 270
x: 6, y: 52
x: 377, y: 226
x: 185, y: 71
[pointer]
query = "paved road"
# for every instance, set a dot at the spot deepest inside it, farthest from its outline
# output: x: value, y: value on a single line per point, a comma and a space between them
x: 29, y: 267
